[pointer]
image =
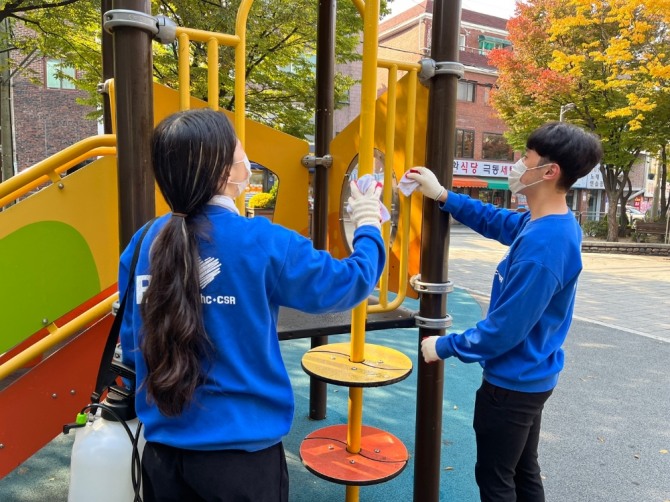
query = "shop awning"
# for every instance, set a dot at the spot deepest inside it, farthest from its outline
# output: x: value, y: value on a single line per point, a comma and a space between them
x: 468, y: 181
x: 496, y: 183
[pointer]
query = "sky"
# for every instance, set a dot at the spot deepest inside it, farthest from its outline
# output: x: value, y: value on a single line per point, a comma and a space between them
x: 499, y: 8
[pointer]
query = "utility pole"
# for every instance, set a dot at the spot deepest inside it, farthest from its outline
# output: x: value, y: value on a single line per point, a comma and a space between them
x: 656, y: 202
x: 6, y: 126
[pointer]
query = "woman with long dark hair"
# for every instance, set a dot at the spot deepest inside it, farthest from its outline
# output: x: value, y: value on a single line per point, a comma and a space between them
x: 200, y: 329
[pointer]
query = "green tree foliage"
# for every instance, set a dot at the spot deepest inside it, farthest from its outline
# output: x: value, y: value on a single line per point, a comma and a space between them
x: 609, y: 58
x: 68, y: 30
x: 281, y: 47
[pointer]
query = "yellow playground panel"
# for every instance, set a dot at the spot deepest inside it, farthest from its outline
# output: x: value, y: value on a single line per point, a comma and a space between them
x: 345, y: 148
x: 59, y: 247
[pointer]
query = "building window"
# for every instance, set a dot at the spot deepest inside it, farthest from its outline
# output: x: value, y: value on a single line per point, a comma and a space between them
x: 58, y: 73
x: 465, y: 144
x: 345, y: 98
x: 466, y: 90
x: 495, y: 147
x: 461, y: 42
x: 487, y: 43
x: 487, y: 96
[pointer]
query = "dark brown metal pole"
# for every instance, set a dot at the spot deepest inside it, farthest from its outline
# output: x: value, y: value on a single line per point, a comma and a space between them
x: 107, y: 68
x: 435, y: 248
x: 134, y: 122
x: 325, y: 103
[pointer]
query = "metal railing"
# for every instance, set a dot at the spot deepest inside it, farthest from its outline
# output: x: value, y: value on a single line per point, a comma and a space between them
x: 405, y: 205
x: 57, y: 334
x: 50, y: 169
x: 214, y: 40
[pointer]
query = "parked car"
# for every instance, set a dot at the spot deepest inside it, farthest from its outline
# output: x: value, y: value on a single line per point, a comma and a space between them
x: 634, y: 215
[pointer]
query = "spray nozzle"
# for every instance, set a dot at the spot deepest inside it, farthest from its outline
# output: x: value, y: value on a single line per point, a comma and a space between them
x: 80, y: 421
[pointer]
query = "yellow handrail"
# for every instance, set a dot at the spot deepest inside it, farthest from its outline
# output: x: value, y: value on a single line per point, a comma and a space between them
x: 388, y: 177
x: 360, y: 5
x: 213, y: 40
x: 96, y: 152
x: 51, y: 167
x: 405, y: 206
x: 400, y: 65
x: 57, y: 335
x: 204, y: 36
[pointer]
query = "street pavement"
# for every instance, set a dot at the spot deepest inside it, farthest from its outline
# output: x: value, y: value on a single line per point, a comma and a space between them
x: 625, y: 292
x: 606, y: 429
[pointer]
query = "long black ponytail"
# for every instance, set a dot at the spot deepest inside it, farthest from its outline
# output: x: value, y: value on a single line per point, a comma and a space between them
x: 192, y: 154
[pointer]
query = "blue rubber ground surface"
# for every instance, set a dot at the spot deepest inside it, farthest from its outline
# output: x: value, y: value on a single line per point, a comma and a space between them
x: 45, y: 476
x: 605, y: 430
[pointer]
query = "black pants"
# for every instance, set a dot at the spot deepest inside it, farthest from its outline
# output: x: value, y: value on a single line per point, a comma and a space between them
x: 174, y: 474
x: 507, y: 427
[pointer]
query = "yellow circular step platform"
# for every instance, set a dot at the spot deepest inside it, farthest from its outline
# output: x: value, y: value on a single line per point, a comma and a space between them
x: 381, y: 458
x: 382, y: 365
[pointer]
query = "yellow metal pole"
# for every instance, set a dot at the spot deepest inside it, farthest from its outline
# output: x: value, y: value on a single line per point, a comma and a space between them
x: 388, y: 176
x: 411, y: 118
x: 366, y: 148
x: 240, y: 67
x: 240, y: 79
x: 368, y: 88
x: 183, y: 58
x: 352, y: 493
x: 213, y: 73
x: 355, y: 419
x: 365, y: 166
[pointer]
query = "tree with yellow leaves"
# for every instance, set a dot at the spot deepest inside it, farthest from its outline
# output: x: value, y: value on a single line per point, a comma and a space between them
x: 610, y: 58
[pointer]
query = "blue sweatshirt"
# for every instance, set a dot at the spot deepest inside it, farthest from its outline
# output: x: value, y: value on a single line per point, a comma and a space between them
x: 249, y: 268
x: 518, y: 343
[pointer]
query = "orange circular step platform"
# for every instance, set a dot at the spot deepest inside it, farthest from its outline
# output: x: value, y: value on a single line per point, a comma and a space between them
x: 381, y: 366
x: 381, y: 458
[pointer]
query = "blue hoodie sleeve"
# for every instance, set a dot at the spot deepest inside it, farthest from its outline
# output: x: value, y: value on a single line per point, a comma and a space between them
x: 502, y: 225
x: 314, y: 281
x: 126, y: 334
x: 528, y: 290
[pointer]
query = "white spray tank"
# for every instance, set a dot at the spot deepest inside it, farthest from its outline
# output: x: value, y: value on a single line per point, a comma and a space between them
x: 102, y: 463
x: 102, y: 455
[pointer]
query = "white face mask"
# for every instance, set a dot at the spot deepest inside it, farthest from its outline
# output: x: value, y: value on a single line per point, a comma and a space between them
x: 242, y: 185
x: 515, y: 174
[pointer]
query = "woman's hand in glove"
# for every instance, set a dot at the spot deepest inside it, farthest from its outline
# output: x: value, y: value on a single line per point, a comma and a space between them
x: 364, y: 207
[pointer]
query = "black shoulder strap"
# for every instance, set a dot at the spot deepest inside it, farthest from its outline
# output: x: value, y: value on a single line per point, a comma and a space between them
x: 106, y: 375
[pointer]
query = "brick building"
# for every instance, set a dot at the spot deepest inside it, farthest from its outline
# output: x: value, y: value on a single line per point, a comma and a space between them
x: 46, y: 116
x: 482, y: 156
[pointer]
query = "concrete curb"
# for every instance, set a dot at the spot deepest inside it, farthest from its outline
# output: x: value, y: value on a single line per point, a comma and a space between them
x: 635, y: 248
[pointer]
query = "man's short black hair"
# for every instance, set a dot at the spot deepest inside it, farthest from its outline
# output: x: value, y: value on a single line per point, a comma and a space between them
x: 575, y: 150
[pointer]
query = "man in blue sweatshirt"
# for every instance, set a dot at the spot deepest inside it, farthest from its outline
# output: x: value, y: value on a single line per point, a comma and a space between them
x: 518, y: 343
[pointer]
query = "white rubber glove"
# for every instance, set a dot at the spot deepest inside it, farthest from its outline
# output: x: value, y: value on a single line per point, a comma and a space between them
x: 427, y: 181
x: 428, y: 349
x: 364, y: 207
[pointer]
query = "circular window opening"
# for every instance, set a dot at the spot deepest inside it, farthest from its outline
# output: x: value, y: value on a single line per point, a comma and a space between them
x: 346, y: 225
